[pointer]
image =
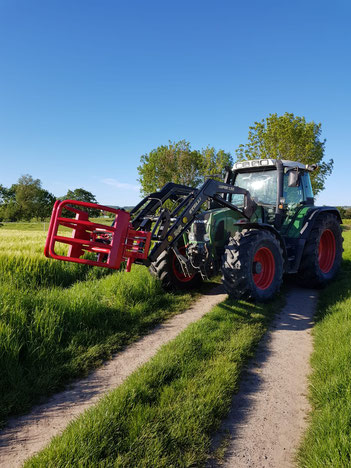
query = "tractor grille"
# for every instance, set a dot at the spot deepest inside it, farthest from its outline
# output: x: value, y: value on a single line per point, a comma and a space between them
x: 200, y: 227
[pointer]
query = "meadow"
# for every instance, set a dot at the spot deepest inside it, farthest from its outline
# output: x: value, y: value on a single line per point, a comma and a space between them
x: 60, y: 319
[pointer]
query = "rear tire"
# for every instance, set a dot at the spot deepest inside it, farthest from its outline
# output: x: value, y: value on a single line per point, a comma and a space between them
x: 252, y: 265
x: 322, y: 255
x: 168, y: 270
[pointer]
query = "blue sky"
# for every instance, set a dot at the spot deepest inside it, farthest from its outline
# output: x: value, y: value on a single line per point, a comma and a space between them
x: 87, y: 87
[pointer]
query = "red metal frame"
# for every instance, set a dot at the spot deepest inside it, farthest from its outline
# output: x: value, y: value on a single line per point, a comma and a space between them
x: 111, y: 244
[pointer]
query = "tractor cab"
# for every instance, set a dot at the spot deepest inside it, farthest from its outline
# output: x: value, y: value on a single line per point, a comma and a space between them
x: 278, y: 187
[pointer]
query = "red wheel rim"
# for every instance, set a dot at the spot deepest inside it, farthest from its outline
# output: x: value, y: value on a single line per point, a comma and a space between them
x: 177, y: 269
x: 326, y: 251
x: 263, y: 261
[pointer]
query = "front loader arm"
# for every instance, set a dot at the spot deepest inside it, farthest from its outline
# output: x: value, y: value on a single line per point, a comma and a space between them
x: 210, y: 190
x: 131, y: 234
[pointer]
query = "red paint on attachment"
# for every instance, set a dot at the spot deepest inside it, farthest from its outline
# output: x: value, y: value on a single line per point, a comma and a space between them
x: 265, y: 258
x: 326, y: 251
x: 112, y: 245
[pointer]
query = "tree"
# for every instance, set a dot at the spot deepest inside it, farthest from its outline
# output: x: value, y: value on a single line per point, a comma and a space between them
x: 178, y: 163
x: 33, y: 201
x: 214, y: 162
x: 26, y: 191
x: 288, y: 137
x: 9, y: 208
x: 175, y: 162
x: 10, y: 211
x: 25, y: 200
x: 80, y: 194
x: 44, y: 204
x: 342, y: 211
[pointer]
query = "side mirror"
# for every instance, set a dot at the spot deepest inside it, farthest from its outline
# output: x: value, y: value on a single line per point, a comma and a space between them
x: 293, y: 178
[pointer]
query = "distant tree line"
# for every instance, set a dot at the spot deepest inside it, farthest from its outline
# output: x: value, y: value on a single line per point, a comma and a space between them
x: 27, y: 200
x: 345, y: 212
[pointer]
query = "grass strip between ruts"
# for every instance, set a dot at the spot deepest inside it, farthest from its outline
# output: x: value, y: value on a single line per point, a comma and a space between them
x: 327, y: 442
x: 164, y: 413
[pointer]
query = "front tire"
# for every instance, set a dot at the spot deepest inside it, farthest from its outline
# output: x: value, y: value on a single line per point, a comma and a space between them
x: 252, y: 265
x: 168, y: 270
x: 322, y: 255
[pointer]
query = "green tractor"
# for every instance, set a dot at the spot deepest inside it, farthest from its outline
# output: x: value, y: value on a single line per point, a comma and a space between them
x: 259, y: 223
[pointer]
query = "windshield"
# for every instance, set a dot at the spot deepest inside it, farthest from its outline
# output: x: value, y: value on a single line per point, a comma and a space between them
x: 262, y: 186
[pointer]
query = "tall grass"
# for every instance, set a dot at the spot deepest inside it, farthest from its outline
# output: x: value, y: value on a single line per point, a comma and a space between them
x: 327, y: 442
x: 59, y: 319
x: 23, y: 265
x: 49, y: 336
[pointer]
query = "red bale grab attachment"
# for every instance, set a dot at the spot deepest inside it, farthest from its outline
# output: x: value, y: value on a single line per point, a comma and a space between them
x: 112, y: 245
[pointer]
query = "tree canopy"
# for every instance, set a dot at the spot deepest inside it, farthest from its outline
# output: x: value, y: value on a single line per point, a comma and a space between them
x: 178, y: 163
x: 288, y: 137
x: 81, y: 195
x: 25, y: 200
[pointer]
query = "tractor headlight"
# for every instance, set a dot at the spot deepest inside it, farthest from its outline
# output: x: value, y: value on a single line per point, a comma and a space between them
x: 206, y: 237
x: 191, y: 237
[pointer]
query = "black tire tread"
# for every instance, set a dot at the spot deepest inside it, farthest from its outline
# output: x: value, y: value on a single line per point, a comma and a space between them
x: 309, y: 274
x: 237, y: 264
x: 162, y: 270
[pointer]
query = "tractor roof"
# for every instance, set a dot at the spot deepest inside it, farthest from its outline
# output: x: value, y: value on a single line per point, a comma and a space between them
x: 262, y: 163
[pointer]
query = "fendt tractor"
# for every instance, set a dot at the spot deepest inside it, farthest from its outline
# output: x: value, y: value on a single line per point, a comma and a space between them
x: 257, y: 224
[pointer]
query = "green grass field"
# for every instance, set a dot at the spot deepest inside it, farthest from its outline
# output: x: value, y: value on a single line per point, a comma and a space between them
x: 52, y: 330
x: 59, y: 319
x: 165, y: 413
x: 328, y: 440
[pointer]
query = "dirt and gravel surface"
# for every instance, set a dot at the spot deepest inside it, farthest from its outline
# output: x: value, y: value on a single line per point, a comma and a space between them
x: 268, y: 415
x: 26, y: 435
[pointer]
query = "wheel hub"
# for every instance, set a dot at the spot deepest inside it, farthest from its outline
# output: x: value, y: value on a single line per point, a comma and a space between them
x: 257, y: 268
x: 263, y: 267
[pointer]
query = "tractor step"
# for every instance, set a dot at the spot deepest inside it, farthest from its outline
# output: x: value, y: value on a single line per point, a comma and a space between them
x: 94, y: 243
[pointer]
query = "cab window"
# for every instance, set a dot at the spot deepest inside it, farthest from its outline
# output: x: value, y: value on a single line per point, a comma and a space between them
x: 262, y: 186
x: 300, y: 194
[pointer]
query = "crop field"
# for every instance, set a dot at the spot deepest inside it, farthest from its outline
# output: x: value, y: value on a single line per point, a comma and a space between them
x: 59, y: 319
